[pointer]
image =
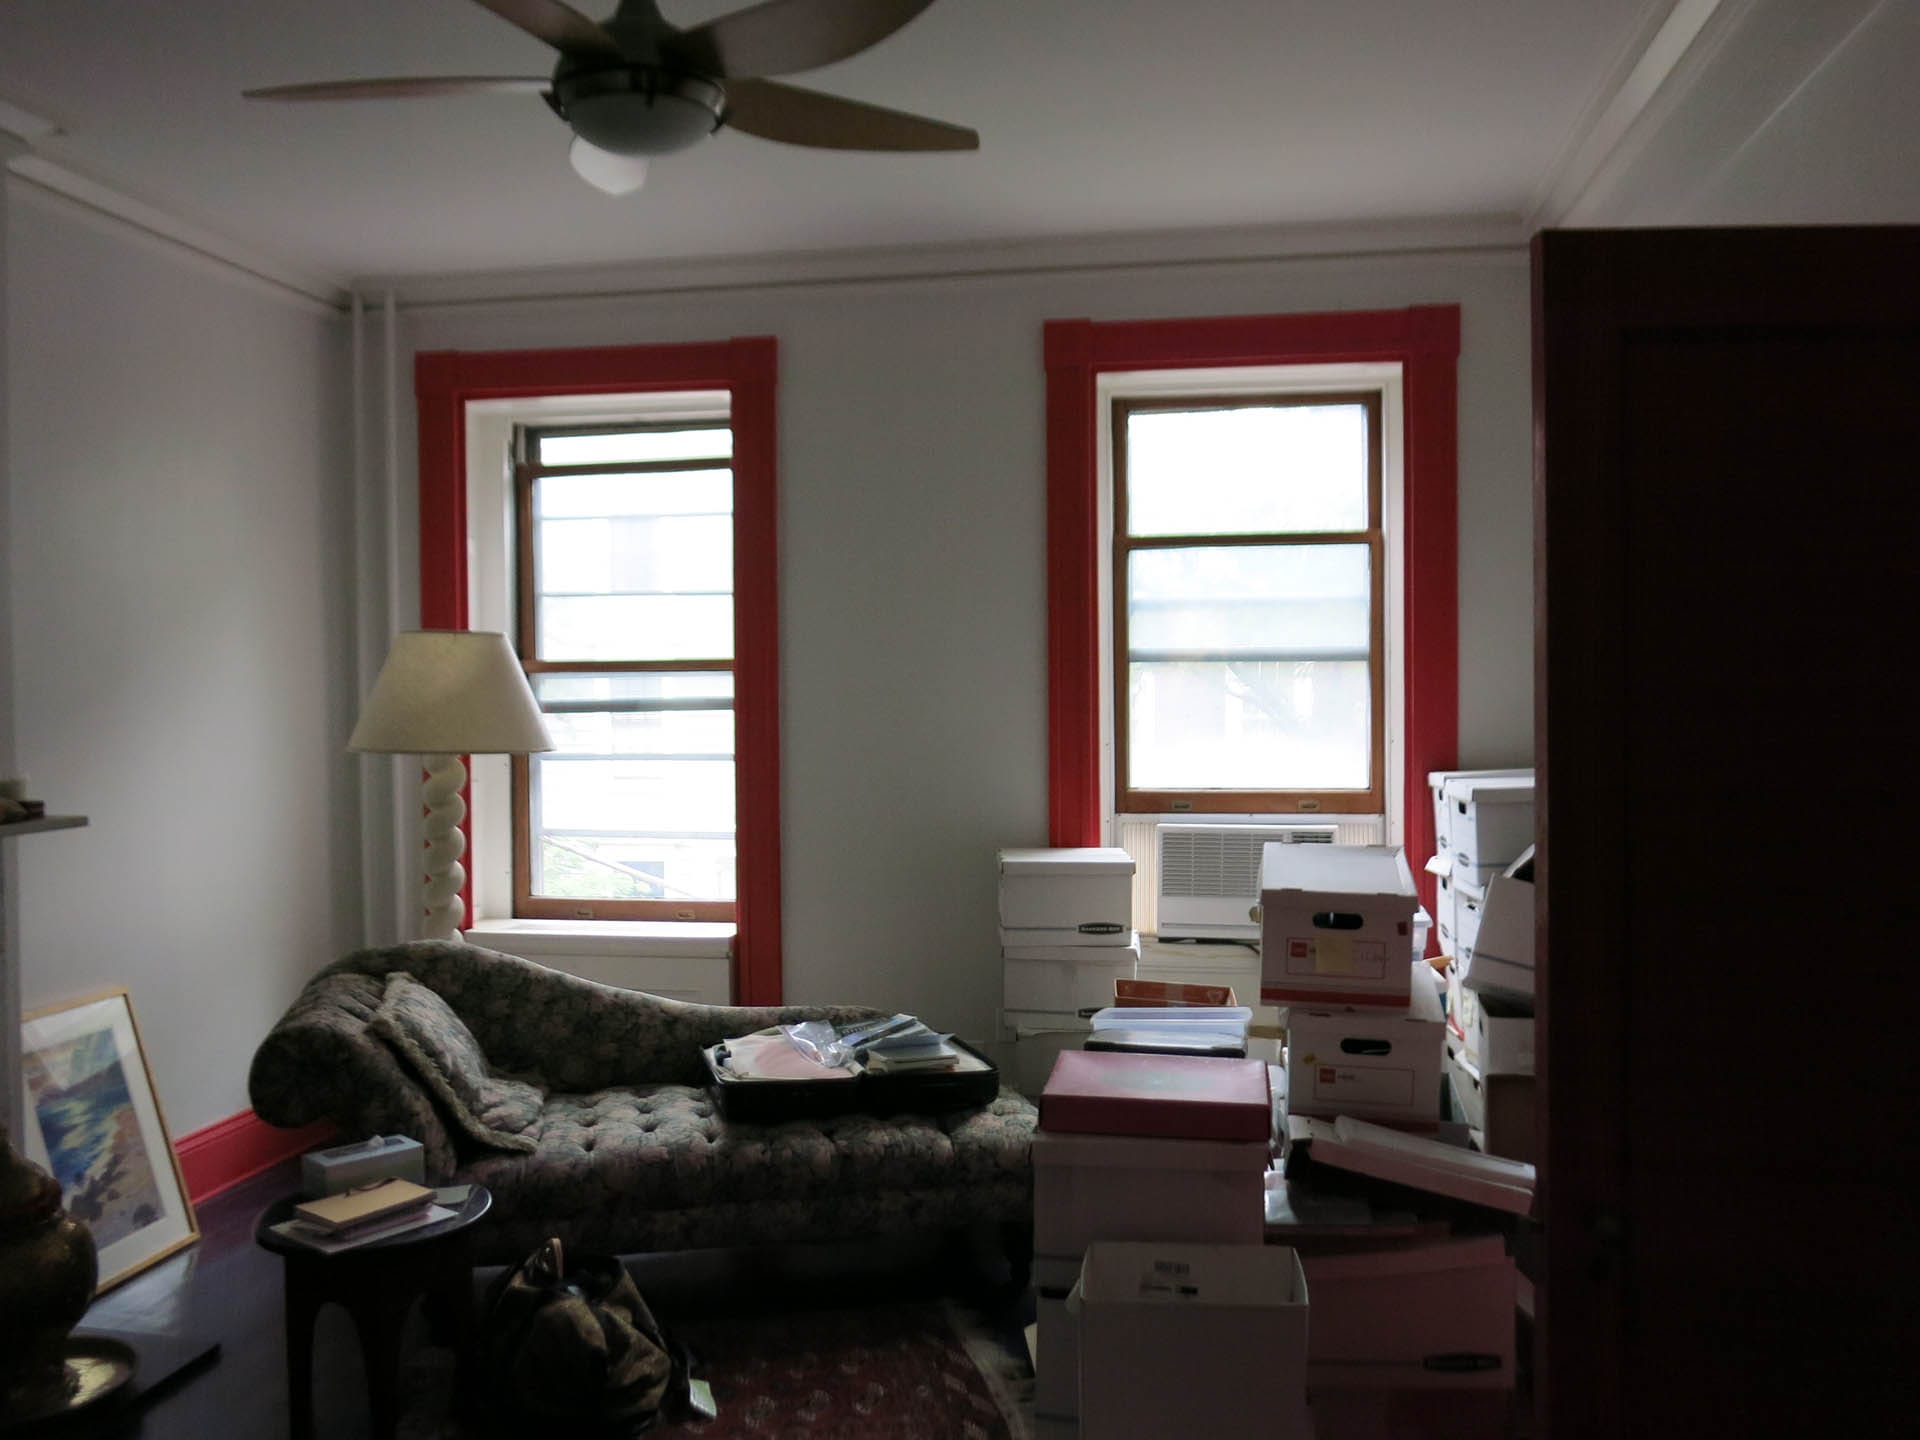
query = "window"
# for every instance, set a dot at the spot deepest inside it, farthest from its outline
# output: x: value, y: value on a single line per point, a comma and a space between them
x: 624, y: 569
x: 1248, y: 569
x: 1281, y: 650
x: 636, y: 676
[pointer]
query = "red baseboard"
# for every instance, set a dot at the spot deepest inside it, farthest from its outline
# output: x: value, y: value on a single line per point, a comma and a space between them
x: 219, y: 1156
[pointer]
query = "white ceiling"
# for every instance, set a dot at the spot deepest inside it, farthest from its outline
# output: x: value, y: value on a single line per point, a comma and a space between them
x: 1095, y: 116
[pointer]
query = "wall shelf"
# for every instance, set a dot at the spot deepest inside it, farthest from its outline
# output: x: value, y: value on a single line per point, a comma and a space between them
x: 40, y: 826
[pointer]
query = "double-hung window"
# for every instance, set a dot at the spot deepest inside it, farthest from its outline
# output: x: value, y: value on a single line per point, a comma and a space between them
x: 625, y: 574
x: 1248, y: 568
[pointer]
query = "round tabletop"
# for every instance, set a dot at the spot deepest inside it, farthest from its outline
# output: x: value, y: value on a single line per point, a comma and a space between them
x: 479, y: 1201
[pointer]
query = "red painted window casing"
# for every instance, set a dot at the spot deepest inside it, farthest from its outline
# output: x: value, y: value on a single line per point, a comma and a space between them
x: 1425, y: 340
x: 444, y: 381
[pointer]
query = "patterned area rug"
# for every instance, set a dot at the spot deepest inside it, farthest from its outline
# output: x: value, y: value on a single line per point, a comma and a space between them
x: 900, y: 1372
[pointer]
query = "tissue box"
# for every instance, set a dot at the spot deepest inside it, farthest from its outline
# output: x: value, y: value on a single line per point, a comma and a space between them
x: 384, y: 1157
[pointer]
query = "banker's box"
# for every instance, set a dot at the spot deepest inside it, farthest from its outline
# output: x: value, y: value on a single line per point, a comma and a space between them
x: 1066, y: 979
x: 1115, y: 1187
x: 1374, y: 1064
x: 1066, y: 897
x: 1187, y: 1340
x: 1490, y: 821
x: 1336, y: 925
x: 1434, y: 1316
x: 1444, y: 807
x: 1495, y: 1032
x: 1500, y: 960
x: 1496, y: 1109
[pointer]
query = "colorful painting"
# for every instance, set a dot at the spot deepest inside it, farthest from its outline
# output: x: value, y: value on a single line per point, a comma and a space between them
x: 86, y: 1116
x: 94, y: 1122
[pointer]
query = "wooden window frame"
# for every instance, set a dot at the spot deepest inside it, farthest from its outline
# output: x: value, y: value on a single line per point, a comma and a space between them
x: 526, y: 472
x: 1424, y: 340
x: 445, y: 382
x: 1369, y: 801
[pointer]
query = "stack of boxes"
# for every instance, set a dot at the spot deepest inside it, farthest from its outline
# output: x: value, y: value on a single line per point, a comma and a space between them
x: 1066, y: 934
x: 1171, y: 1150
x: 1483, y: 829
x: 1339, y: 948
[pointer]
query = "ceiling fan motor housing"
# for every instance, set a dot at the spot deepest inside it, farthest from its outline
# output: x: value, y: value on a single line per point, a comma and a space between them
x: 637, y: 109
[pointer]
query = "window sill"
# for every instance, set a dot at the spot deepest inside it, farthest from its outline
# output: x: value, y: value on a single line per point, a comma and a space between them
x: 663, y: 939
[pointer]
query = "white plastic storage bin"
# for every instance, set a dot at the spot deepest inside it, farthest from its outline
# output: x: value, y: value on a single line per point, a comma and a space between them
x: 1377, y: 1065
x: 1336, y: 925
x: 1187, y: 1340
x: 1067, y: 978
x: 1066, y: 897
x: 1115, y: 1187
x: 1490, y: 823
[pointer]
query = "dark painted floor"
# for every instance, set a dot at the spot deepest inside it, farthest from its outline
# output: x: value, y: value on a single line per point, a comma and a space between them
x: 227, y: 1289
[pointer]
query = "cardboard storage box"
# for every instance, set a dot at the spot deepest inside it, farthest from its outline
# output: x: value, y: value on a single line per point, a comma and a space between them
x: 1496, y: 1109
x: 1066, y: 979
x: 1443, y: 809
x: 1374, y: 1064
x: 1336, y: 925
x: 1031, y: 1042
x: 1490, y: 821
x: 1434, y: 1316
x: 1109, y: 1187
x: 1493, y: 1031
x: 1186, y: 1340
x: 1500, y: 958
x: 1066, y: 897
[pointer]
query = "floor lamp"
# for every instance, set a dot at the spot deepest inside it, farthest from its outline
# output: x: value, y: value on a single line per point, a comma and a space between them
x: 442, y: 695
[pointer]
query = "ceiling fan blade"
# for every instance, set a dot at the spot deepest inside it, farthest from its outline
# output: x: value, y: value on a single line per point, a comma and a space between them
x: 561, y: 26
x: 782, y: 36
x: 403, y: 88
x: 806, y: 117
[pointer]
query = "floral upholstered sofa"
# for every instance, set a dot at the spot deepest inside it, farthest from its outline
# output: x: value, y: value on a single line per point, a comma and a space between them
x: 582, y: 1108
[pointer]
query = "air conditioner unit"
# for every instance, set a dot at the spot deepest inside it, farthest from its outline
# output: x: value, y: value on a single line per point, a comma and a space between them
x: 1210, y: 876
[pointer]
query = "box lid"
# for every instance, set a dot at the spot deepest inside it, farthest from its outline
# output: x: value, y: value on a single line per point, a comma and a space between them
x: 1438, y: 778
x: 1053, y: 1149
x: 1423, y: 1008
x: 1479, y: 1252
x: 1134, y: 1273
x: 1491, y: 789
x: 1093, y: 860
x: 1175, y: 1097
x: 1365, y: 870
x: 1128, y: 954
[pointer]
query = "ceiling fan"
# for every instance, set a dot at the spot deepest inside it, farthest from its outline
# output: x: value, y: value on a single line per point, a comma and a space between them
x: 633, y: 86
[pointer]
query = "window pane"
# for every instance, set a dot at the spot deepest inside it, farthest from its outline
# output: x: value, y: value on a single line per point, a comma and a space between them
x: 1247, y: 470
x: 695, y: 442
x: 1249, y: 725
x: 1249, y: 602
x: 653, y: 689
x: 637, y: 627
x: 676, y: 492
x: 636, y: 805
x: 675, y: 554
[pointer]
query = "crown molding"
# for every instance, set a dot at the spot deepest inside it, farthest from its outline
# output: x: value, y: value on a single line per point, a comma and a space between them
x: 1499, y: 236
x: 153, y: 223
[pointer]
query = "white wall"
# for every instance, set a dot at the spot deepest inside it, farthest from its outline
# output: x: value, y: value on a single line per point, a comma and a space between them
x: 913, y: 570
x: 181, y: 637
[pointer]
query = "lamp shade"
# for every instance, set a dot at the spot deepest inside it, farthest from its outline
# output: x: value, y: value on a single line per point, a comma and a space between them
x: 451, y: 692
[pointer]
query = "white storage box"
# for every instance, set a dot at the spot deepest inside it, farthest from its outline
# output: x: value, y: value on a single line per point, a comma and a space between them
x: 1336, y: 925
x: 1377, y: 1065
x: 1067, y: 978
x: 1056, y: 1361
x: 1496, y: 1109
x: 1469, y: 903
x: 1490, y: 823
x: 1032, y: 1040
x: 1187, y: 1340
x: 1493, y: 1031
x: 1438, y: 1316
x: 1066, y: 897
x: 1443, y: 810
x: 1116, y: 1187
x: 1500, y: 960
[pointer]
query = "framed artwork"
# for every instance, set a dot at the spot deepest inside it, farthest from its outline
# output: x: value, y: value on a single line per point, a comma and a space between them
x: 95, y: 1123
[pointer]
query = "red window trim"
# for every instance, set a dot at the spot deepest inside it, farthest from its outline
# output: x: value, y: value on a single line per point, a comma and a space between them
x: 1425, y: 340
x: 444, y: 381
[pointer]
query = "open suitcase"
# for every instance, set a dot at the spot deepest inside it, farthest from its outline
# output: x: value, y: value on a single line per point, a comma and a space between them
x: 925, y: 1092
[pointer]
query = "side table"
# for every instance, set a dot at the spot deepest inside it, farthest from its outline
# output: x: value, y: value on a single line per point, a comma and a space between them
x: 377, y: 1284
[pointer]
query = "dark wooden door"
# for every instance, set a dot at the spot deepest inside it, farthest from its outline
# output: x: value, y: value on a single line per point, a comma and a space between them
x: 1727, y: 429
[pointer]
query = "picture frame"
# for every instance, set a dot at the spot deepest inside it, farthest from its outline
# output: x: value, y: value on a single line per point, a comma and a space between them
x: 94, y: 1121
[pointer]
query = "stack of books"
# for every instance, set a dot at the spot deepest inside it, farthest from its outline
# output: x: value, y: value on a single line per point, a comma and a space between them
x: 900, y: 1045
x: 355, y: 1217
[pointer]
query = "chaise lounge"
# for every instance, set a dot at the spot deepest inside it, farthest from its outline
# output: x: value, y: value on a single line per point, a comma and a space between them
x: 582, y: 1107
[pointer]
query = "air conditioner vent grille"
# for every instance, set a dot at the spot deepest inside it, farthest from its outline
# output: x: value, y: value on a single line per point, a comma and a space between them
x: 1209, y: 865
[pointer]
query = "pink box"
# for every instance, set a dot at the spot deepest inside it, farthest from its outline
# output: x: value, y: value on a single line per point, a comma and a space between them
x: 1175, y: 1097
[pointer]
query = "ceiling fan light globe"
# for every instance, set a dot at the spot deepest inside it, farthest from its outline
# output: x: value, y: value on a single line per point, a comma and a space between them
x: 639, y: 111
x: 606, y: 171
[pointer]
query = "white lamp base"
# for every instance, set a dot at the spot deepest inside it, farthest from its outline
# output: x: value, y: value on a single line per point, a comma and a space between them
x: 444, y: 911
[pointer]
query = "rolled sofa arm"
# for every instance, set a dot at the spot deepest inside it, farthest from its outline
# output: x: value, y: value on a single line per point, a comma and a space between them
x: 320, y: 1063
